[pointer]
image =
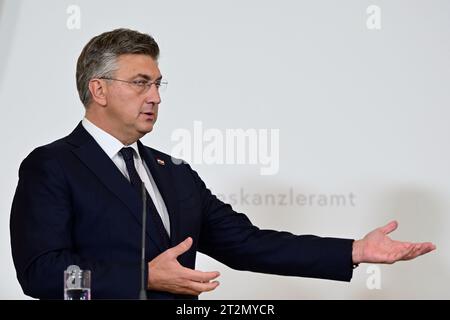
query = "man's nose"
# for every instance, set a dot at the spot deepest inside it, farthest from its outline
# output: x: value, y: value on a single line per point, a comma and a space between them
x: 152, y: 95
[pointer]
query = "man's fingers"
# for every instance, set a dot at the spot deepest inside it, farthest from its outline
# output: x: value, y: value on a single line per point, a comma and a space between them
x: 203, y: 287
x: 425, y: 249
x: 196, y: 282
x: 429, y: 245
x: 400, y: 254
x: 182, y: 247
x: 194, y: 288
x: 407, y: 251
x: 200, y: 276
x: 414, y: 253
x: 421, y: 249
x: 391, y: 226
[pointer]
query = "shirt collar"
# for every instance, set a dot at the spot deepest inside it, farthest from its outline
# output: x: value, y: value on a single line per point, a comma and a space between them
x: 110, y: 144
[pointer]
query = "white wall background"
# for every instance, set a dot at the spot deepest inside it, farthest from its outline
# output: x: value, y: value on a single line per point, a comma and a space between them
x: 359, y: 111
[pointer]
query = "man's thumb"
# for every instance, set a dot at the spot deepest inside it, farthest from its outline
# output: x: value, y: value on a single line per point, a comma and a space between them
x: 391, y: 226
x: 182, y: 247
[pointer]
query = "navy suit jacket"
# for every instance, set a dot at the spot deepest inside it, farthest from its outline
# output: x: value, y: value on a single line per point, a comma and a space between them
x: 73, y: 206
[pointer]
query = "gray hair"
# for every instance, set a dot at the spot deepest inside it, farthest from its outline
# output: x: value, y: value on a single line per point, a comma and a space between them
x: 99, y: 57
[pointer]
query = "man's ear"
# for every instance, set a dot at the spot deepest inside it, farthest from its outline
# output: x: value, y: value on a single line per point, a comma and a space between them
x: 99, y: 91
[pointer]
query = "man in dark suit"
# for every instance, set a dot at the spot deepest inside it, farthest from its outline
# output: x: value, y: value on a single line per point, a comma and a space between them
x: 79, y: 200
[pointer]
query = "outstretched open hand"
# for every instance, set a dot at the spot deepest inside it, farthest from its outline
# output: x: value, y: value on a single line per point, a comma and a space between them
x: 377, y: 247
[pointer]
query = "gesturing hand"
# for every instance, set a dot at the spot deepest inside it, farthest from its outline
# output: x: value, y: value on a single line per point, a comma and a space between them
x: 377, y: 247
x: 165, y: 273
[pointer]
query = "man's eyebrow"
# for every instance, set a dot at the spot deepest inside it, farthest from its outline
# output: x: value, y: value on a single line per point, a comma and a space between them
x: 147, y: 77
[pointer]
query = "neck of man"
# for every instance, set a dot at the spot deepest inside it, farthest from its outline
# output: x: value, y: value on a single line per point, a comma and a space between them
x: 107, y: 126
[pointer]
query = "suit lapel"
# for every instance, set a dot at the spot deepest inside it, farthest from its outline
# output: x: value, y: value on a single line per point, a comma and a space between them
x: 162, y: 176
x: 92, y: 155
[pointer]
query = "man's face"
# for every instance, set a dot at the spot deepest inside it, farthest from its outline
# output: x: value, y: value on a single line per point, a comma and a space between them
x: 131, y: 109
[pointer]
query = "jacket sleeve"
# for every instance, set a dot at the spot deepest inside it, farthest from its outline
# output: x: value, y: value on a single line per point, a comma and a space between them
x: 41, y: 236
x: 232, y: 239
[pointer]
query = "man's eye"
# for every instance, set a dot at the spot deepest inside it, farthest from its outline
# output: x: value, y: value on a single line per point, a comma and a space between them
x: 140, y: 83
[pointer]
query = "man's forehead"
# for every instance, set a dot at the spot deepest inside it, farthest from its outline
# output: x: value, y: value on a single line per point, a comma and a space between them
x: 138, y: 65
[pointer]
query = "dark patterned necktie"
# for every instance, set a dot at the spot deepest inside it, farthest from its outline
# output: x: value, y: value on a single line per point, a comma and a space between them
x: 136, y: 182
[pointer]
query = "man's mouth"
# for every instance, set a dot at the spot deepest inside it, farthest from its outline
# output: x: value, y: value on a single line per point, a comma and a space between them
x: 150, y: 115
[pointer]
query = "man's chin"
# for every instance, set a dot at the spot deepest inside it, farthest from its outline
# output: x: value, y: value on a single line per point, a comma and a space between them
x: 146, y: 128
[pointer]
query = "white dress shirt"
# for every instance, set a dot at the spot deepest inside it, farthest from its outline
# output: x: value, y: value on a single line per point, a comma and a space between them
x: 111, y: 146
